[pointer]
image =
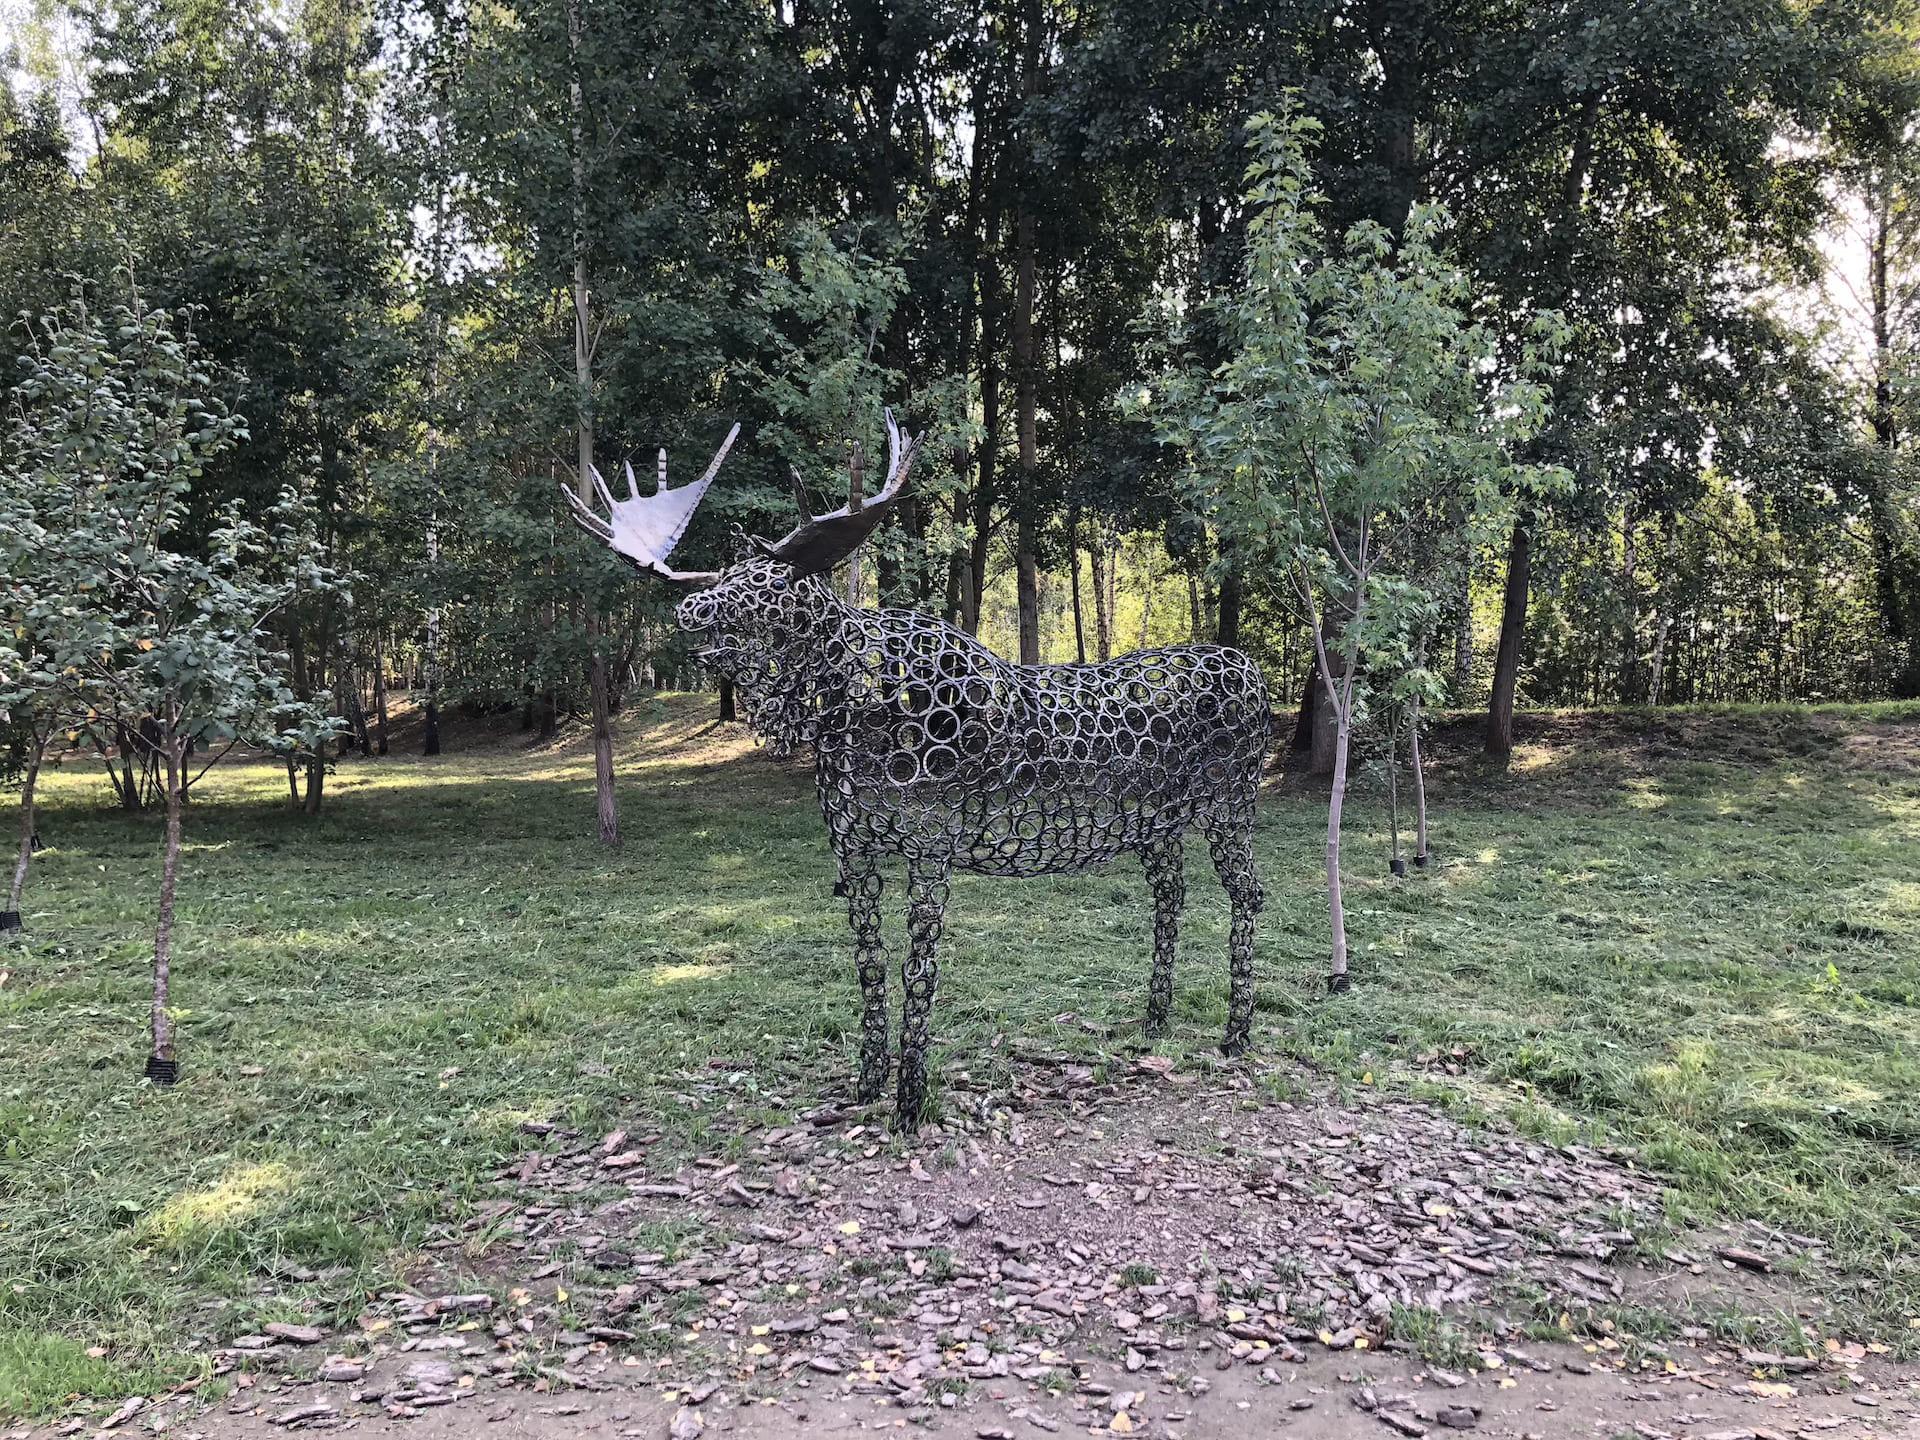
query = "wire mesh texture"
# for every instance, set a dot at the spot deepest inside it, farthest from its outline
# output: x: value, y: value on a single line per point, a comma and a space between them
x: 930, y: 748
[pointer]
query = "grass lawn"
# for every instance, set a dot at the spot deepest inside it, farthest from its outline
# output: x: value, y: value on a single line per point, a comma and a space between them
x: 1697, y: 934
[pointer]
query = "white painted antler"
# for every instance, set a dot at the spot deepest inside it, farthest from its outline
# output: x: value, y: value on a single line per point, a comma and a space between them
x: 818, y: 543
x: 643, y: 529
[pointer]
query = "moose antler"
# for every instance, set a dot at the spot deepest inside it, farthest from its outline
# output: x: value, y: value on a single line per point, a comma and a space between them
x: 643, y: 529
x: 821, y: 541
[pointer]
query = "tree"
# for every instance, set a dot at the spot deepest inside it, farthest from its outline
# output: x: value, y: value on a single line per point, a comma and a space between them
x: 1356, y: 395
x: 157, y: 633
x: 34, y: 705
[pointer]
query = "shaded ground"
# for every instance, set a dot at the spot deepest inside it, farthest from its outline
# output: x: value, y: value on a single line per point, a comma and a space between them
x: 1147, y: 1253
x: 1703, y: 954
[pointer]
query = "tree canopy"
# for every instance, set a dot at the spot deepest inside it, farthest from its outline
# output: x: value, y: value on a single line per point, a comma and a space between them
x: 375, y: 215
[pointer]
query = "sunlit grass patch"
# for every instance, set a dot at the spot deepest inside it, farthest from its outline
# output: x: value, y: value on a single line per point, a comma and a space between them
x: 197, y: 1217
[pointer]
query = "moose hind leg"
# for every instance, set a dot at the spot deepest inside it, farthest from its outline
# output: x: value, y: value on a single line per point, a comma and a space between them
x: 1232, y: 851
x: 860, y: 881
x: 1167, y: 878
x: 919, y: 976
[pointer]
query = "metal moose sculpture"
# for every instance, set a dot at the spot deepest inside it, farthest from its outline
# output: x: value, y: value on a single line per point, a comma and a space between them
x: 930, y: 747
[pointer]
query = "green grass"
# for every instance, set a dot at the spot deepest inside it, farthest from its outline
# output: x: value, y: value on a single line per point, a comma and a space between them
x: 1696, y: 934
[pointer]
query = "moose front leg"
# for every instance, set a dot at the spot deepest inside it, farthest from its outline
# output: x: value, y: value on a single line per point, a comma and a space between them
x: 1167, y: 878
x: 919, y: 976
x: 860, y: 882
x: 1232, y: 851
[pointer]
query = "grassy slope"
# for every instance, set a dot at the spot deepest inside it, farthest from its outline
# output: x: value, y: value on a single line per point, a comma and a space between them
x: 1699, y: 935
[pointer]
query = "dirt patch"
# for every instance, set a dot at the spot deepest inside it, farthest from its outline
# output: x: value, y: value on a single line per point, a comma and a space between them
x: 1232, y: 1254
x: 1367, y: 1397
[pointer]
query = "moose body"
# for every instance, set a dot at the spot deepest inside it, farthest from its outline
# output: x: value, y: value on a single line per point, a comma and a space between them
x: 929, y: 747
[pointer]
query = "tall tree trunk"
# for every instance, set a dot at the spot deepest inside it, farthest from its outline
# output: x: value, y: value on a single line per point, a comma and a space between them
x: 161, y: 1065
x: 11, y: 919
x: 953, y: 603
x: 1146, y: 597
x: 984, y: 485
x: 1336, y: 802
x: 1308, y: 712
x: 1098, y: 564
x: 1325, y: 734
x: 1025, y: 370
x: 430, y: 740
x: 1420, y: 851
x: 380, y: 690
x: 856, y: 497
x: 1513, y: 627
x: 1227, y: 629
x: 1896, y: 537
x: 1463, y: 636
x: 1026, y: 562
x: 356, y: 705
x: 316, y: 779
x: 608, y: 812
x: 1073, y: 561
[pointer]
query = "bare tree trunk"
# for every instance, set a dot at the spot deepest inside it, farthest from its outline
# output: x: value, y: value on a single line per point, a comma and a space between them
x: 380, y: 691
x: 1026, y: 565
x: 1097, y: 566
x: 953, y: 604
x: 356, y: 704
x: 431, y: 661
x: 1463, y: 637
x: 1073, y: 562
x: 607, y: 809
x: 1026, y: 378
x: 1324, y: 734
x: 1663, y: 614
x: 856, y: 496
x: 1513, y: 626
x: 316, y: 779
x: 1420, y: 852
x: 1394, y: 862
x: 1146, y: 596
x: 1305, y: 718
x: 161, y: 1065
x: 10, y: 920
x: 1341, y: 701
x: 1227, y: 628
x: 1336, y: 901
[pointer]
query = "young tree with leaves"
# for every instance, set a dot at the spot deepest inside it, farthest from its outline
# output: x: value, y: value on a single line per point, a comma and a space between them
x: 161, y: 633
x: 1355, y: 390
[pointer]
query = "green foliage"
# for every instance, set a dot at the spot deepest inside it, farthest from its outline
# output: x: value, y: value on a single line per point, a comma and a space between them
x: 120, y: 612
x: 1358, y: 405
